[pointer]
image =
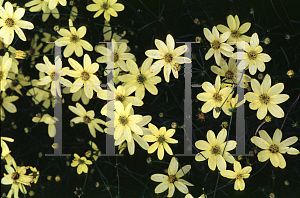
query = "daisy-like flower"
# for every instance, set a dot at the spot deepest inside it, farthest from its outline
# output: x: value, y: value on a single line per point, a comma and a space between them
x: 38, y: 5
x: 232, y: 104
x: 87, y: 118
x: 124, y: 122
x: 17, y: 179
x: 54, y: 76
x: 168, y: 56
x: 216, y: 150
x: 172, y: 179
x: 81, y: 164
x: 120, y: 94
x: 229, y: 72
x: 214, y: 97
x: 109, y: 7
x: 35, y: 174
x: 85, y: 76
x: 141, y: 78
x: 96, y: 152
x: 5, y: 62
x: 4, y: 147
x: 6, y: 103
x: 252, y: 58
x: 235, y: 29
x: 33, y: 52
x: 118, y: 56
x: 265, y: 98
x: 11, y: 21
x: 53, y: 3
x: 77, y: 95
x: 17, y: 81
x: 73, y: 40
x: 238, y: 174
x: 217, y: 44
x: 161, y: 138
x: 47, y: 119
x: 48, y: 38
x: 12, y: 54
x: 274, y: 148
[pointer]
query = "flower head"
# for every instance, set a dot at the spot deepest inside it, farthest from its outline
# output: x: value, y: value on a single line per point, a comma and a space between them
x: 81, y: 164
x: 5, y: 64
x: 274, y: 148
x: 109, y: 7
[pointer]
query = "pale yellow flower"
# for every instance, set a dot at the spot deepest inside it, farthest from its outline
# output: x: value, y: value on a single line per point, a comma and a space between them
x: 214, y: 97
x: 17, y: 81
x: 217, y: 44
x: 5, y: 62
x: 232, y: 104
x: 87, y: 118
x: 96, y: 152
x: 12, y: 54
x: 168, y: 57
x: 252, y: 58
x: 216, y: 150
x: 274, y: 148
x: 265, y: 98
x: 6, y: 103
x: 38, y: 5
x: 161, y: 138
x: 11, y: 21
x: 238, y: 174
x: 141, y: 78
x: 53, y: 3
x: 85, y: 76
x: 73, y: 40
x: 109, y: 7
x: 4, y: 147
x: 173, y: 179
x: 47, y: 119
x: 235, y: 29
x: 81, y: 164
x: 35, y: 174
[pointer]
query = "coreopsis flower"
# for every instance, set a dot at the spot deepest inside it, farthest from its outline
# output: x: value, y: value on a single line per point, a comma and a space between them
x: 35, y: 174
x: 17, y: 179
x: 73, y: 40
x: 4, y: 147
x: 229, y: 72
x: 16, y: 82
x: 252, y: 58
x: 236, y: 32
x: 216, y: 150
x: 6, y: 103
x: 5, y: 62
x: 11, y: 21
x: 54, y: 76
x: 38, y: 92
x: 33, y: 52
x: 48, y: 38
x: 173, y: 179
x: 109, y: 7
x: 238, y: 174
x: 274, y: 148
x: 214, y: 97
x: 118, y: 56
x: 87, y: 118
x: 38, y: 5
x: 77, y: 95
x: 161, y: 138
x: 85, y: 76
x: 217, y: 44
x: 53, y: 3
x: 232, y: 104
x: 124, y: 122
x: 119, y: 94
x: 13, y: 54
x: 96, y: 152
x: 265, y: 98
x: 81, y: 164
x: 168, y: 57
x: 141, y: 78
x: 47, y: 119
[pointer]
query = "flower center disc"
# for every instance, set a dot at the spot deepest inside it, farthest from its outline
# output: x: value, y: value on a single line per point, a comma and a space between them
x: 171, y: 178
x: 9, y: 22
x: 123, y: 120
x: 120, y: 98
x: 252, y: 55
x: 229, y: 75
x: 85, y: 76
x: 116, y: 57
x: 235, y: 34
x: 161, y: 139
x: 215, y: 45
x: 105, y: 6
x: 74, y: 39
x: 215, y: 150
x: 217, y: 97
x: 1, y: 75
x: 15, y: 176
x: 274, y: 148
x: 52, y: 76
x: 168, y: 58
x: 86, y: 119
x: 141, y: 79
x: 264, y: 98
